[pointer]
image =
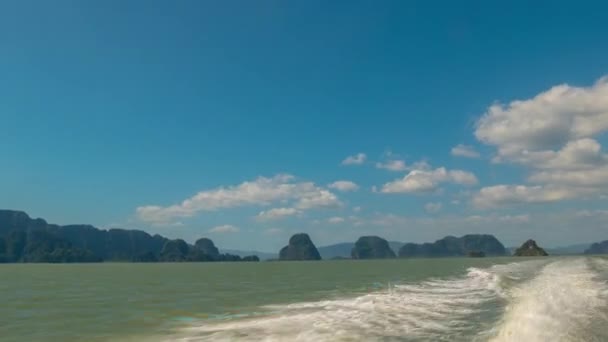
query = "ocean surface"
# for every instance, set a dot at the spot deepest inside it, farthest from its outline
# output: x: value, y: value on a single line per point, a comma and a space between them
x: 460, y: 299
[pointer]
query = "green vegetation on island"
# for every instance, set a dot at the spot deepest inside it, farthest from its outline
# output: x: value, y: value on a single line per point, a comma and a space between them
x: 372, y: 247
x: 451, y: 246
x: 23, y: 239
x: 300, y: 247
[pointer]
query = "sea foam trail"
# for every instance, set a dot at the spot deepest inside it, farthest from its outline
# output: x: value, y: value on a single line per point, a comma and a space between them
x: 430, y: 310
x: 566, y: 301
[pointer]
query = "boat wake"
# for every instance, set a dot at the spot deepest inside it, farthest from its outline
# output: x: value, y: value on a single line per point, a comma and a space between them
x: 540, y: 300
x: 562, y: 303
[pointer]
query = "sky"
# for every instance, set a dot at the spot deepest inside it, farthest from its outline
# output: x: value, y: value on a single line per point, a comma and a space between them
x: 248, y: 121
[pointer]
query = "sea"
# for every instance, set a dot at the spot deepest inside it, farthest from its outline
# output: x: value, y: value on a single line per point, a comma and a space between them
x: 452, y: 299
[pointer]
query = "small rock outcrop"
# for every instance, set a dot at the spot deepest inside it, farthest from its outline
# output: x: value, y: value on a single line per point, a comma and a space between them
x: 372, y: 247
x: 530, y: 248
x: 300, y: 247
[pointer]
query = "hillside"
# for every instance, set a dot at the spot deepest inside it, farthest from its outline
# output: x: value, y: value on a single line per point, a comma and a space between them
x: 24, y: 239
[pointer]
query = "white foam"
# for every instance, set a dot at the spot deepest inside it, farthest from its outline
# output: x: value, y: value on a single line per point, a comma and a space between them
x: 562, y: 303
x: 429, y: 310
x: 541, y: 300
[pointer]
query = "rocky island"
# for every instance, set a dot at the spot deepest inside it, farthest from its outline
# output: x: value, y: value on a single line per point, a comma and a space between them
x: 300, y: 247
x: 530, y: 248
x: 598, y: 248
x: 451, y: 246
x: 372, y: 247
x: 23, y: 239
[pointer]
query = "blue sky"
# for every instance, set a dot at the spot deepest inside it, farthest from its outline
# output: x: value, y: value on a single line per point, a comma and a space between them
x: 118, y: 113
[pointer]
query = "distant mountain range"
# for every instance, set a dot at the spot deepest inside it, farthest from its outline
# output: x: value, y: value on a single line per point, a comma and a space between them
x: 25, y: 239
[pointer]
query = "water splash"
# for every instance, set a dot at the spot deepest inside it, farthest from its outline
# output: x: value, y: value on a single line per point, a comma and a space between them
x: 435, y: 309
x: 538, y: 300
x: 560, y: 304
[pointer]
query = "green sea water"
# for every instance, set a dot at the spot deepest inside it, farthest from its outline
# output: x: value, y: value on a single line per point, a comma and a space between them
x: 457, y: 299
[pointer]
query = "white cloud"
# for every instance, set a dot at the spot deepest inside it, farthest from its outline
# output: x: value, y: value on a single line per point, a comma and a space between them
x: 427, y: 181
x: 553, y: 135
x: 500, y: 195
x: 259, y: 192
x: 344, y: 185
x: 433, y: 208
x: 273, y: 231
x: 513, y: 219
x: 548, y: 121
x: 357, y: 159
x: 335, y: 220
x: 357, y: 209
x: 227, y: 228
x: 392, y: 165
x: 393, y: 162
x: 578, y: 178
x: 592, y: 213
x: 318, y: 199
x: 525, y: 218
x: 466, y: 151
x: 277, y: 213
x: 577, y: 154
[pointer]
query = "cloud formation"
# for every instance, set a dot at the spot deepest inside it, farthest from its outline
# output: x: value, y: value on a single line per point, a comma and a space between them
x: 466, y: 151
x: 277, y: 213
x: 417, y: 181
x: 501, y: 195
x: 335, y: 220
x: 227, y: 228
x: 259, y: 192
x: 357, y: 159
x: 433, y: 208
x: 547, y: 121
x: 553, y: 135
x: 273, y: 231
x: 392, y: 165
x: 344, y: 185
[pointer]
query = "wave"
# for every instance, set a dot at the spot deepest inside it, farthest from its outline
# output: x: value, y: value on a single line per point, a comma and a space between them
x: 435, y: 309
x: 537, y: 300
x: 566, y: 301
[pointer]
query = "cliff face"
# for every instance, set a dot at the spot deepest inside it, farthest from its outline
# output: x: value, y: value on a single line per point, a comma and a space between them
x: 451, y: 246
x: 208, y: 247
x: 23, y: 239
x: 530, y: 248
x: 300, y: 247
x: 598, y: 248
x: 175, y: 251
x: 372, y: 247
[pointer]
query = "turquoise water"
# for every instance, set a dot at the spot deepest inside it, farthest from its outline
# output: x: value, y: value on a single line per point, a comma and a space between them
x: 460, y: 299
